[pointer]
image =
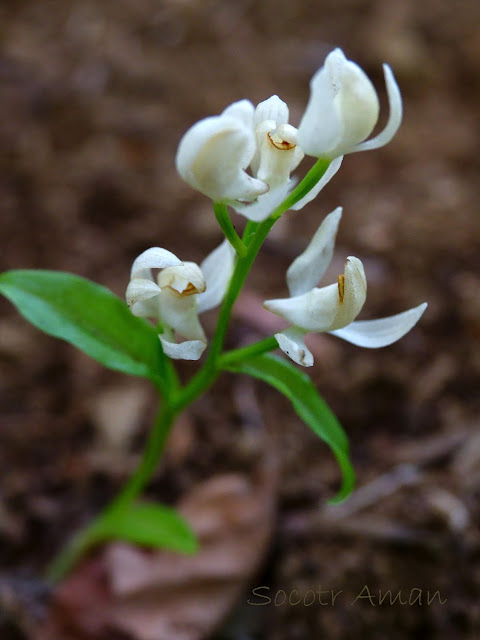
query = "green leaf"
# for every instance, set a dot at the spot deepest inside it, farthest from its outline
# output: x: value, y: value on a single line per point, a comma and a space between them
x: 308, y: 404
x: 88, y: 316
x: 147, y: 524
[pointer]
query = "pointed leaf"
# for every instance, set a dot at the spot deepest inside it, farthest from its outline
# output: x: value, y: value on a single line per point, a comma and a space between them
x: 149, y: 525
x: 308, y: 404
x: 88, y: 316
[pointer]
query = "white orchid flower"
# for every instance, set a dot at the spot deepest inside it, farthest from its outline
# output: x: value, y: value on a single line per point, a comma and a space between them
x: 277, y: 155
x: 213, y: 155
x: 343, y: 110
x: 333, y: 308
x: 181, y: 292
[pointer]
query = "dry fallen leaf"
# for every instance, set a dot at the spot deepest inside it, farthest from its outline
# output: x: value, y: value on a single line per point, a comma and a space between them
x: 162, y: 596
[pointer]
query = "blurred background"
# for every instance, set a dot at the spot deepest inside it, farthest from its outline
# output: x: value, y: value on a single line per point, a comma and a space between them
x: 94, y: 97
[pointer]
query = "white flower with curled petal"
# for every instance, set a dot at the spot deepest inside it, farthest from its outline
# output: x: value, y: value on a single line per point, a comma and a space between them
x: 343, y: 110
x: 333, y: 308
x: 277, y: 155
x: 182, y: 291
x: 213, y: 154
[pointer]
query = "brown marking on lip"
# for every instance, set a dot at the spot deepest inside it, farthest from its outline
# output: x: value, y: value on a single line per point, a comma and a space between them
x: 282, y: 145
x: 341, y: 287
x: 189, y: 290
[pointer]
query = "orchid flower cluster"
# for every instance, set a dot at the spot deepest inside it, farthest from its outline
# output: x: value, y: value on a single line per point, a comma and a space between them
x: 213, y: 157
x: 241, y: 159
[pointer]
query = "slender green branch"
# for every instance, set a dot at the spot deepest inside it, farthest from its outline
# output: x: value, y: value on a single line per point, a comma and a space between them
x: 221, y: 213
x: 207, y: 375
x: 172, y: 380
x: 249, y: 231
x: 309, y: 181
x: 76, y: 547
x: 151, y: 455
x: 255, y: 349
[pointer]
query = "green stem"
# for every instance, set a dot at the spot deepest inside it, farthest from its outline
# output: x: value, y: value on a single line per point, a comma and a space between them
x: 221, y: 213
x: 76, y: 547
x: 252, y: 350
x: 173, y: 381
x: 151, y: 455
x: 244, y: 263
x: 240, y: 273
x: 249, y: 231
x: 93, y: 534
x: 309, y: 181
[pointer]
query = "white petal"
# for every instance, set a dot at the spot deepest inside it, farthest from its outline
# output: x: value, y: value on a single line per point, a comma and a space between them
x: 374, y: 334
x: 354, y: 293
x: 139, y: 291
x: 342, y: 110
x: 333, y: 167
x: 279, y: 153
x: 217, y: 269
x: 394, y: 119
x: 312, y: 311
x: 213, y: 155
x: 272, y: 109
x: 146, y: 309
x: 307, y: 270
x: 261, y: 131
x: 181, y: 314
x: 188, y: 350
x: 359, y: 107
x: 153, y: 258
x: 243, y: 111
x: 321, y: 128
x: 265, y: 205
x: 291, y: 343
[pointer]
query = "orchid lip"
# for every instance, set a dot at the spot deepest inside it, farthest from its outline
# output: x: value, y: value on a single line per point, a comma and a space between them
x: 279, y: 143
